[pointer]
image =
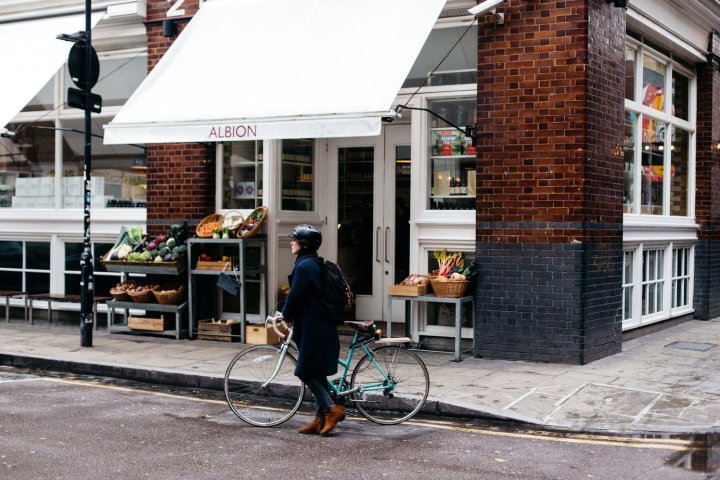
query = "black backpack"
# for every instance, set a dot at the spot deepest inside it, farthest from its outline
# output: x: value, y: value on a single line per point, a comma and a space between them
x: 337, y: 295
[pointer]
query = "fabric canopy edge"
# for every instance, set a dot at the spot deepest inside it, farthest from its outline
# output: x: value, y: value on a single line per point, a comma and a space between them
x: 243, y: 130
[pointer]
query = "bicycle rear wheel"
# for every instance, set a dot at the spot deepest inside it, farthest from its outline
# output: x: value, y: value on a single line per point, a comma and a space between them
x: 263, y: 406
x: 394, y: 401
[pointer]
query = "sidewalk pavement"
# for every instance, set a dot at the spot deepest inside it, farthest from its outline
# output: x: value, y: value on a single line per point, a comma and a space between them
x: 662, y: 382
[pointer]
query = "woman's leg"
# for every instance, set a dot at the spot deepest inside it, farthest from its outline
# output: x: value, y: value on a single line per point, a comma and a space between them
x: 318, y: 387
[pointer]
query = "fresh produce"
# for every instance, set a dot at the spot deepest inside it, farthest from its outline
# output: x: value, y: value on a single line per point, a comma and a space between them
x: 447, y: 262
x: 131, y: 245
x: 415, y: 279
x: 207, y: 229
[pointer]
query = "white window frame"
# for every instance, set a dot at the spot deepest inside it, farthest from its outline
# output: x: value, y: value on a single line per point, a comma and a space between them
x: 666, y: 309
x: 635, y: 105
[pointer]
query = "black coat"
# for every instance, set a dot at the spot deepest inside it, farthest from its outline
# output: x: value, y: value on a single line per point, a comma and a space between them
x: 314, y: 331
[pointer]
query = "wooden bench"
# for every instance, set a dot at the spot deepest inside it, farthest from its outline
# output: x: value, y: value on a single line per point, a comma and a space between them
x: 59, y: 297
x: 8, y: 294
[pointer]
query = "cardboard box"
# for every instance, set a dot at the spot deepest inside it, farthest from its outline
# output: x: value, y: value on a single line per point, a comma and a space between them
x: 149, y: 323
x: 260, y: 335
x: 33, y: 186
x: 408, y: 290
x: 47, y: 186
x: 219, y: 330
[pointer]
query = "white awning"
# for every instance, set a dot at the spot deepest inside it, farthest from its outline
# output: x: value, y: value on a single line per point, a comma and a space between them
x: 31, y: 56
x: 257, y: 69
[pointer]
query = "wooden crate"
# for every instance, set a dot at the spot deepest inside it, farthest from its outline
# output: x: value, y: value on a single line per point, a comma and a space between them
x: 219, y: 331
x: 216, y: 265
x: 408, y: 290
x: 150, y: 323
x: 260, y: 335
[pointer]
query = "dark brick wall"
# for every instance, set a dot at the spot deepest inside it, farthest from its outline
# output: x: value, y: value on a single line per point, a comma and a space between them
x: 707, y: 196
x: 549, y: 212
x: 180, y: 177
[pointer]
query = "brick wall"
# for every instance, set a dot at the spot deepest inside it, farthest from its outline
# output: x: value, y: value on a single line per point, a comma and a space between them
x: 549, y: 211
x: 707, y: 196
x: 180, y: 177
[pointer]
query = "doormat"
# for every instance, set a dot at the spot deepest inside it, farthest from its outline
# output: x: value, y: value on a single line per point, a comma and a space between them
x: 697, y: 347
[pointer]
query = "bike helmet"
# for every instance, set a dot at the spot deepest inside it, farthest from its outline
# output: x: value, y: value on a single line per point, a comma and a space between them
x: 308, y: 236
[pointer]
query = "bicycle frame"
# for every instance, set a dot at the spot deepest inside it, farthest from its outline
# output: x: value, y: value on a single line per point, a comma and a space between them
x: 387, y: 383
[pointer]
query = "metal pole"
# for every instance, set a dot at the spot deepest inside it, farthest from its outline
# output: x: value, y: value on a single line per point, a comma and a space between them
x: 86, y: 260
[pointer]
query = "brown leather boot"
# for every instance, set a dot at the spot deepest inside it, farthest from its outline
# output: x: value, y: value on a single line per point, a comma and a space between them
x: 313, y: 427
x: 335, y: 415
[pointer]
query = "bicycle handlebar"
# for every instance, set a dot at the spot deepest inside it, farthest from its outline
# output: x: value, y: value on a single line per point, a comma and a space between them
x: 278, y: 317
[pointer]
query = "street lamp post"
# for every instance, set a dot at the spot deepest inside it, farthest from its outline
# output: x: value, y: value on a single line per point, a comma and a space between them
x: 84, y: 71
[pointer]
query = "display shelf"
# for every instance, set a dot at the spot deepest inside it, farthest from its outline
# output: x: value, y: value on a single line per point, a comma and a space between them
x: 244, y: 273
x: 177, y: 310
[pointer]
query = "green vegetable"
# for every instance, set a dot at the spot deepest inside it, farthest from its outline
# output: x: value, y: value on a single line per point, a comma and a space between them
x: 163, y: 251
x: 171, y: 242
x: 135, y: 236
x: 162, y: 245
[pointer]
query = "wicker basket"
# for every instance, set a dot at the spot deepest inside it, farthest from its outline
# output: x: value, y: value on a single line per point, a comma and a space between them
x: 146, y: 296
x: 120, y: 296
x: 170, y: 294
x: 243, y: 232
x: 203, y: 230
x: 449, y: 289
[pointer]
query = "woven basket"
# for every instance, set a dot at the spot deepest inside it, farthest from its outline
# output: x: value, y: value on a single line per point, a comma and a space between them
x: 121, y: 296
x: 242, y: 232
x: 170, y: 296
x: 449, y: 289
x: 145, y: 296
x: 203, y: 229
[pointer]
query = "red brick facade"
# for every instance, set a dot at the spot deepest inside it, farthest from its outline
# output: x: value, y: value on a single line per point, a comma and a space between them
x: 180, y: 177
x: 549, y: 206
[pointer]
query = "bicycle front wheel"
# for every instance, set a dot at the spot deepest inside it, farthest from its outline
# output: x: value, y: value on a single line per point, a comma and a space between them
x: 393, y: 387
x: 247, y: 393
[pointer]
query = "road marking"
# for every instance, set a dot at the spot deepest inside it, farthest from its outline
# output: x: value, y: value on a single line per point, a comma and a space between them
x: 674, y: 444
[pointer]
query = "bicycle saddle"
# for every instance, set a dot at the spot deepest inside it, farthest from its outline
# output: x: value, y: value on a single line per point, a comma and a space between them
x: 360, y: 326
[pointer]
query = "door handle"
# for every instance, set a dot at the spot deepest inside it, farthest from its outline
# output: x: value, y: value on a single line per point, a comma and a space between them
x: 377, y: 244
x: 387, y: 229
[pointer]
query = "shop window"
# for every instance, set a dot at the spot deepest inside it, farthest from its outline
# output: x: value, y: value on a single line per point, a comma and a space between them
x: 679, y: 161
x: 452, y: 156
x: 460, y: 66
x: 119, y: 172
x: 628, y: 259
x: 681, y: 277
x: 653, y: 83
x: 630, y: 55
x: 297, y: 175
x: 653, y: 166
x: 104, y: 280
x: 653, y: 281
x: 27, y: 166
x: 659, y: 168
x: 680, y: 95
x: 25, y: 266
x: 629, y: 170
x: 242, y: 175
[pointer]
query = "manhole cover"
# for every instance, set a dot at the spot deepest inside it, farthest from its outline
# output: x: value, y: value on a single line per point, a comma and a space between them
x: 697, y: 347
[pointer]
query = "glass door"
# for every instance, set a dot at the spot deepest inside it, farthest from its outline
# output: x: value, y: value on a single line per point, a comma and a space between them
x: 373, y: 196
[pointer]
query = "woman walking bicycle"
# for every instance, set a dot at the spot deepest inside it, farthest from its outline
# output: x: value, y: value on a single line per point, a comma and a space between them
x: 315, y: 331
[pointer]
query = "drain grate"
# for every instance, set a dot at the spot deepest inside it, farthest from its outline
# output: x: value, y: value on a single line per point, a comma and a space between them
x: 697, y: 347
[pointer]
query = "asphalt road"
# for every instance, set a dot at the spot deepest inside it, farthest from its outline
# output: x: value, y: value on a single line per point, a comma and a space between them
x: 63, y: 427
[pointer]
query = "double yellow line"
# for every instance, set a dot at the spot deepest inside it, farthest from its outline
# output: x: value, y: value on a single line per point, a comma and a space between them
x: 674, y: 444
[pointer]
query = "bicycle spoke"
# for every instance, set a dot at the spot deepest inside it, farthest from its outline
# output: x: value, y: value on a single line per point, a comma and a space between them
x: 393, y: 390
x: 248, y: 396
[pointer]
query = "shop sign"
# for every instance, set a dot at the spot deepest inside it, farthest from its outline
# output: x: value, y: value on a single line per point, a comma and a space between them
x: 232, y: 132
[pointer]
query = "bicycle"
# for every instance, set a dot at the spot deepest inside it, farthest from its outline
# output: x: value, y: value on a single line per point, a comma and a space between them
x: 389, y: 385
